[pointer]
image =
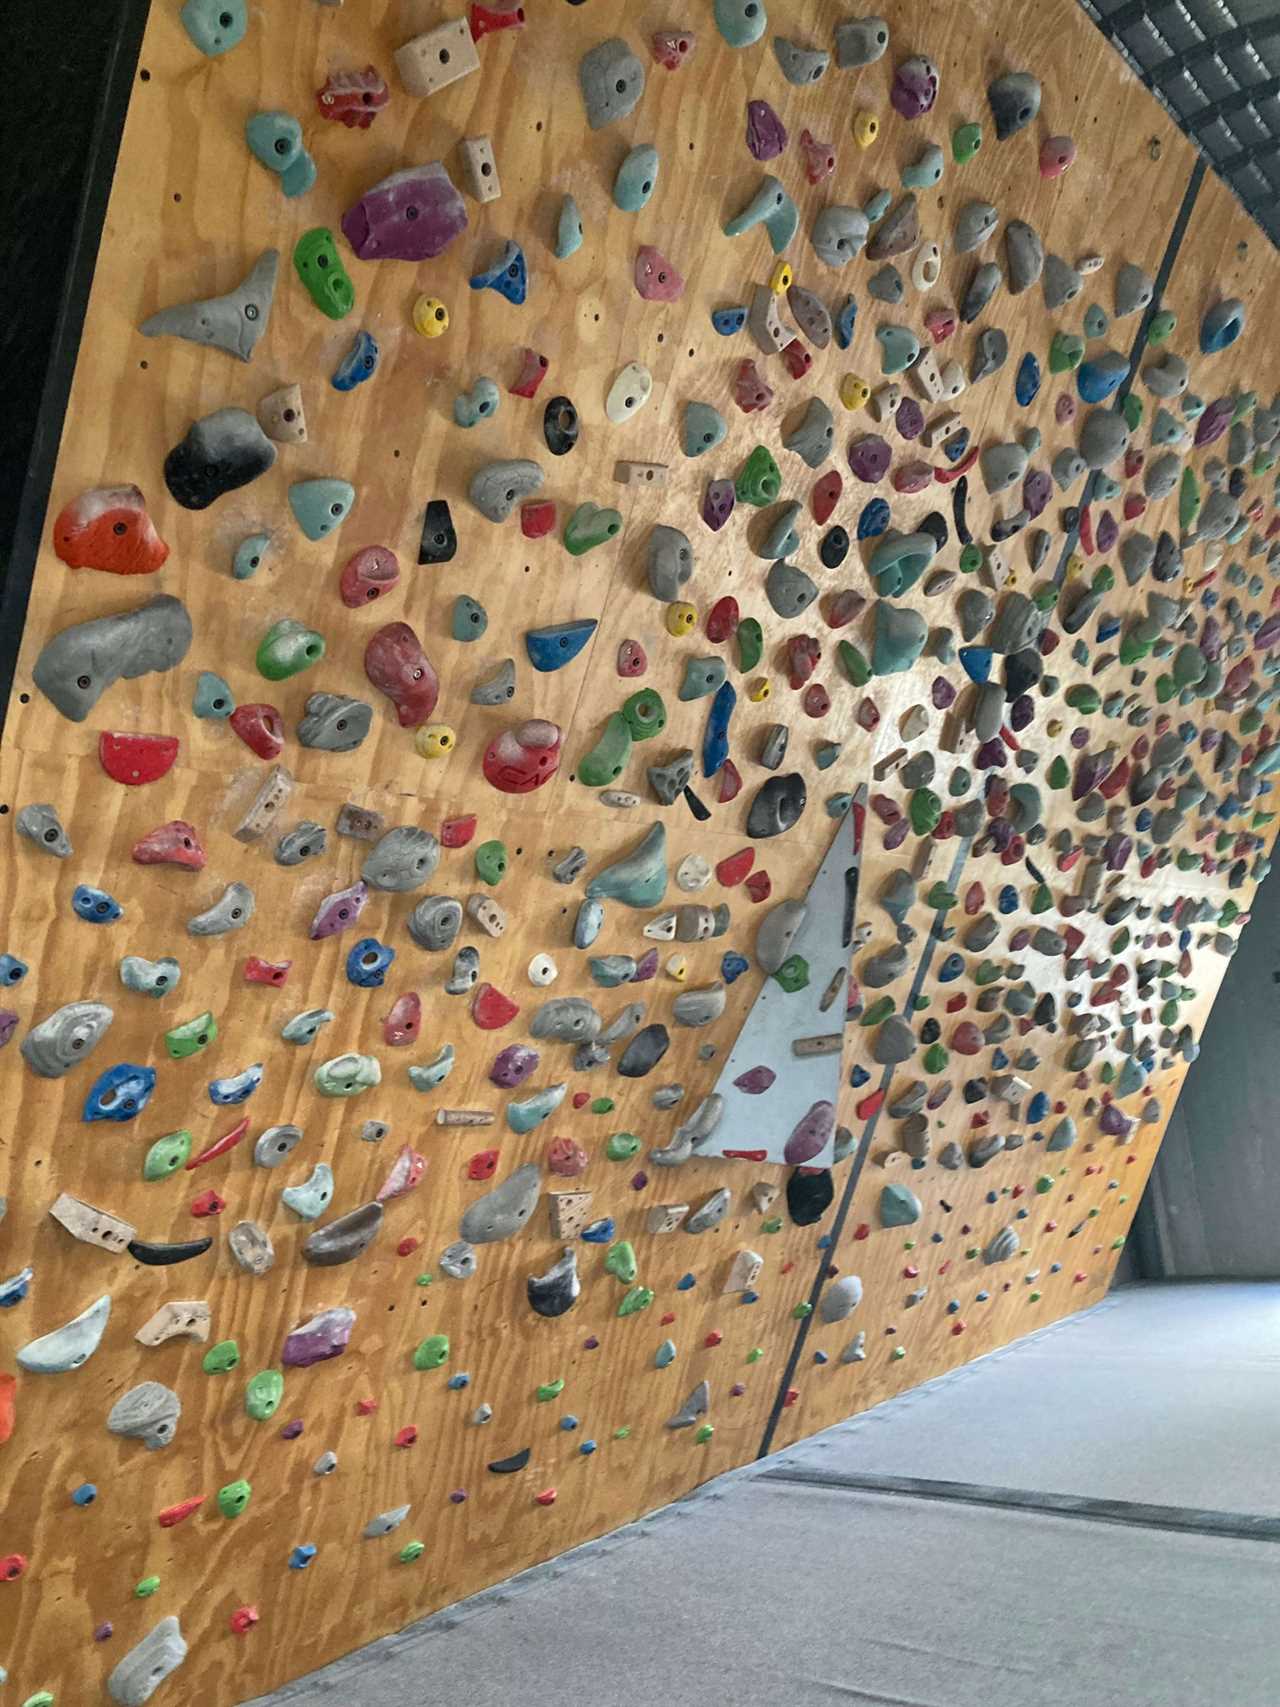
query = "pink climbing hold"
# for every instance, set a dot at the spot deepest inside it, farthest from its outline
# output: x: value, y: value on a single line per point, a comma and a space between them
x: 566, y: 1158
x: 631, y: 660
x: 723, y: 619
x: 798, y: 359
x: 826, y: 495
x: 406, y: 1172
x: 672, y: 47
x: 175, y: 843
x: 750, y: 391
x: 1057, y: 153
x: 404, y: 1022
x: 819, y: 157
x: 655, y: 278
x: 755, y: 1081
x: 533, y: 370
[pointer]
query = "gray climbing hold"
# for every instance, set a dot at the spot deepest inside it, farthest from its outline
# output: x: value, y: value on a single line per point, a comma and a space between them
x: 40, y: 824
x: 554, y: 1292
x: 567, y: 1019
x: 230, y: 912
x: 435, y: 922
x: 777, y: 934
x: 612, y: 81
x: 309, y: 1200
x: 883, y: 967
x: 974, y: 609
x: 1167, y: 375
x: 303, y: 841
x: 148, y: 1412
x: 1067, y: 467
x: 344, y: 1239
x: 812, y: 439
x: 895, y: 1042
x: 385, y: 1522
x: 334, y: 723
x: 984, y: 284
x: 1063, y: 1135
x: 838, y: 234
x: 1024, y: 255
x: 899, y: 1207
x: 1134, y: 290
x: 772, y: 207
x: 812, y: 315
x: 218, y: 454
x: 498, y: 688
x: 251, y: 1246
x: 779, y: 804
x: 1019, y: 624
x: 1014, y: 100
x: 695, y: 1406
x: 1103, y: 438
x: 403, y: 859
x: 432, y: 1074
x: 67, y: 1037
x: 782, y: 538
x: 135, y: 1679
x: 233, y: 322
x: 670, y: 562
x: 975, y: 223
x: 498, y: 487
x: 788, y: 589
x: 669, y: 781
x: 860, y: 41
x: 458, y: 1260
x: 699, y: 1007
x: 69, y: 1346
x: 711, y: 1212
x: 1004, y: 1245
x: 1060, y: 283
x: 504, y: 1210
x: 81, y: 662
x: 990, y: 353
x: 1002, y: 465
x: 800, y: 65
x: 639, y: 879
x: 841, y: 1298
x: 886, y: 285
x: 275, y: 1144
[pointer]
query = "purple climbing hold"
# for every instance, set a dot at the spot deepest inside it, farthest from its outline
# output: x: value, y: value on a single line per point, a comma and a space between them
x: 1037, y: 489
x: 291, y: 1430
x: 410, y: 216
x: 513, y: 1065
x: 1021, y: 712
x: 909, y: 419
x: 811, y: 1134
x: 324, y: 1336
x: 942, y: 693
x: 1114, y: 1123
x: 914, y: 88
x: 717, y: 503
x: 1215, y: 420
x: 1106, y: 531
x: 755, y: 1080
x: 991, y: 755
x: 869, y: 458
x: 8, y: 1025
x: 766, y: 133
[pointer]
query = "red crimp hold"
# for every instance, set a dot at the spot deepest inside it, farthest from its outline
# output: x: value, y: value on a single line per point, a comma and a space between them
x: 734, y: 867
x: 944, y: 476
x: 789, y: 1397
x: 485, y: 20
x: 826, y: 495
x: 566, y: 1158
x: 261, y: 728
x: 672, y: 47
x: 655, y: 278
x: 136, y: 759
x: 12, y: 1567
x: 538, y: 518
x: 219, y: 1147
x: 175, y: 1514
x: 803, y: 653
x: 816, y: 701
x: 258, y: 971
x: 940, y: 323
x: 404, y: 1022
x: 798, y: 359
x: 744, y: 1156
x: 408, y: 1246
x: 490, y: 1009
x: 367, y: 575
x: 457, y: 832
x: 406, y: 1436
x: 483, y: 1165
x: 840, y: 609
x: 632, y: 660
x: 750, y: 391
x: 715, y: 1337
x: 243, y: 1619
x: 108, y: 528
x: 730, y: 782
x: 546, y: 1497
x: 208, y: 1203
x: 723, y: 619
x: 533, y: 370
x: 869, y: 1105
x: 819, y: 157
x: 353, y: 98
x: 398, y: 667
x: 759, y: 886
x: 175, y: 843
x: 366, y: 1407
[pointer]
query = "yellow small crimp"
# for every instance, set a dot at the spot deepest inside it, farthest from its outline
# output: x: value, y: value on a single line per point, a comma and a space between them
x: 678, y: 967
x: 781, y: 278
x: 434, y: 740
x: 759, y: 689
x: 1075, y: 564
x: 430, y: 317
x: 866, y: 128
x: 855, y: 393
x: 681, y: 617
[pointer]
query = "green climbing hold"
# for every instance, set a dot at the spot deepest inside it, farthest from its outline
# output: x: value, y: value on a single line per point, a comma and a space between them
x: 638, y: 1298
x: 772, y: 1225
x: 898, y: 1353
x: 941, y: 899
x: 143, y: 1589
x: 704, y: 1434
x: 854, y: 664
x: 1041, y: 898
x: 1188, y: 499
x: 607, y: 760
x: 491, y: 862
x: 606, y: 1105
x: 288, y: 647
x: 167, y: 1155
x: 622, y: 1433
x: 550, y: 1390
x: 191, y: 1037
x: 433, y: 1351
x: 1066, y: 352
x: 263, y: 1394
x: 793, y: 974
x: 318, y: 264
x: 1161, y: 326
x: 410, y: 1551
x: 960, y: 783
x: 1059, y: 774
x: 924, y: 809
x: 755, y: 1354
x: 987, y: 973
x: 1044, y: 1183
x: 589, y: 526
x: 801, y: 1311
x: 1084, y: 698
x: 1189, y: 665
x: 644, y: 714
x: 898, y: 1206
x: 878, y: 1012
x: 750, y: 638
x: 620, y: 1261
x: 935, y: 1058
x: 622, y: 1146
x: 970, y: 559
x: 759, y: 481
x: 1045, y: 596
x: 966, y: 140
x: 220, y: 1358
x: 234, y: 1498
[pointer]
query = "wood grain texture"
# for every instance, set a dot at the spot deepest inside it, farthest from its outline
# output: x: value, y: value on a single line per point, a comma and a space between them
x: 189, y: 211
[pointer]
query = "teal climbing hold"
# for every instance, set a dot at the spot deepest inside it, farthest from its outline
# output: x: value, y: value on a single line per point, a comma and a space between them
x: 319, y: 506
x: 212, y: 698
x: 898, y: 1206
x: 636, y: 178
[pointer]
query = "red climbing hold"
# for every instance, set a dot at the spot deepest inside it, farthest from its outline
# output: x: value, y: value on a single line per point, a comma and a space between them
x: 1086, y: 530
x: 370, y: 573
x: 940, y: 324
x: 546, y: 1497
x: 819, y: 157
x: 750, y: 391
x: 174, y: 1514
x: 261, y: 728
x: 407, y: 1246
x: 135, y: 759
x: 208, y: 1203
x: 243, y: 1619
x: 816, y: 701
x: 533, y: 370
x: 869, y: 1105
x: 826, y: 495
x: 404, y: 1022
x: 108, y: 528
x: 483, y: 1165
x: 12, y: 1566
x: 485, y: 19
x: 672, y: 47
x: 730, y: 782
x: 803, y: 653
x: 219, y: 1147
x: 537, y: 518
x: 632, y: 659
x: 175, y: 843
x: 862, y: 1231
x: 490, y: 1009
x: 789, y: 1397
x: 566, y: 1158
x: 396, y: 664
x: 457, y: 832
x: 734, y: 867
x: 713, y: 1338
x: 797, y: 358
x: 522, y: 759
x: 8, y: 1405
x: 258, y: 971
x: 353, y: 98
x: 655, y: 278
x: 366, y: 1407
x: 759, y: 886
x: 840, y: 609
x: 723, y: 619
x: 746, y: 1155
x: 944, y: 476
x: 406, y: 1436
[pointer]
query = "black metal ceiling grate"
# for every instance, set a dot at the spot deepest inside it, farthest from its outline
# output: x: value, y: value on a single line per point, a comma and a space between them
x: 1216, y: 67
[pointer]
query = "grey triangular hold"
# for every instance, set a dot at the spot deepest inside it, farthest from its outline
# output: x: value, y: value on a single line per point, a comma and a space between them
x: 145, y: 1667
x: 695, y: 1406
x: 233, y: 322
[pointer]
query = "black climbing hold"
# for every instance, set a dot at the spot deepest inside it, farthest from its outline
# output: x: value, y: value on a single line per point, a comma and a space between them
x: 959, y: 498
x: 517, y: 1461
x: 777, y: 806
x: 644, y: 1052
x: 224, y: 450
x: 163, y: 1256
x: 560, y: 426
x: 834, y: 547
x: 700, y: 812
x: 439, y: 543
x: 809, y: 1195
x: 935, y: 525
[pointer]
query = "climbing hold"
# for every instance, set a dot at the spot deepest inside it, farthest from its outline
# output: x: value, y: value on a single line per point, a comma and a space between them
x: 508, y: 275
x: 1014, y: 100
x: 772, y: 207
x: 353, y: 98
x: 68, y: 1036
x: 412, y: 215
x: 612, y: 81
x: 275, y: 139
x: 478, y: 404
x: 219, y: 453
x: 148, y: 1413
x: 108, y: 528
x: 233, y: 322
x: 634, y: 181
x: 134, y: 1680
x: 80, y: 663
x: 430, y: 317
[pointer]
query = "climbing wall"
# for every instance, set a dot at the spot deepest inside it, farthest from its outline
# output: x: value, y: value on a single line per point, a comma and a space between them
x: 411, y: 869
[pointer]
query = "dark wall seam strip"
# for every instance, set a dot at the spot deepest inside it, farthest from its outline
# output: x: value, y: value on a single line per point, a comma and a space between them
x: 856, y: 1166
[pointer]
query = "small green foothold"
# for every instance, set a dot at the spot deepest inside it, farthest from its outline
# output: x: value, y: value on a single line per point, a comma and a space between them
x: 41, y: 1698
x: 167, y: 1155
x: 1044, y: 1183
x: 319, y: 266
x: 755, y: 1354
x: 1058, y: 774
x: 550, y: 1390
x: 1066, y: 352
x: 1041, y: 898
x: 960, y: 783
x: 750, y: 638
x: 801, y: 1311
x: 287, y: 647
x: 793, y: 974
x: 878, y: 1011
x: 1131, y: 409
x: 1084, y: 698
x: 606, y: 1105
x: 146, y: 1587
x: 607, y: 760
x: 234, y: 1498
x: 491, y: 862
x: 970, y: 559
x: 433, y: 1351
x: 704, y: 1434
x: 1106, y: 1072
x: 1188, y: 499
x: 1034, y: 1297
x: 898, y: 1353
x: 924, y: 809
x: 212, y: 698
x: 410, y: 1551
x: 854, y: 663
x: 941, y: 898
x: 987, y: 973
x: 772, y: 1225
x: 638, y: 1298
x: 1104, y: 579
x: 622, y: 1146
x: 263, y: 1394
x: 620, y: 1261
x: 644, y: 714
x: 191, y: 1037
x: 622, y: 1433
x: 966, y: 140
x: 759, y: 482
x: 220, y: 1358
x: 1045, y: 596
x: 935, y: 1058
x: 589, y: 526
x: 470, y: 619
x: 1161, y: 326
x: 920, y: 1003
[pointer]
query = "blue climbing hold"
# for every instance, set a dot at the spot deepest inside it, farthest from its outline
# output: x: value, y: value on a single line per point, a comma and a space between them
x: 120, y: 1093
x: 456, y: 1383
x: 715, y: 741
x: 1038, y: 1107
x: 686, y: 1283
x: 302, y: 1556
x: 95, y: 906
x: 553, y: 648
x: 367, y: 963
x: 999, y: 1060
x: 953, y: 1304
x: 846, y: 317
x: 957, y: 445
x: 981, y: 1297
x: 12, y: 970
x: 1221, y: 326
x: 1096, y: 381
x: 821, y: 1357
x: 508, y: 275
x: 1007, y: 899
x: 858, y: 1076
x: 951, y: 968
x: 587, y: 1448
x: 236, y: 1088
x: 874, y: 519
x: 976, y: 662
x: 568, y: 1424
x: 727, y: 321
x: 1055, y: 1268
x: 359, y: 363
x: 1026, y: 382
x: 1108, y: 628
x: 993, y: 1197
x: 85, y: 1494
x: 1142, y: 823
x: 825, y: 1242
x: 599, y: 1232
x: 749, y: 1297
x: 1021, y: 1215
x: 733, y: 965
x: 15, y: 1289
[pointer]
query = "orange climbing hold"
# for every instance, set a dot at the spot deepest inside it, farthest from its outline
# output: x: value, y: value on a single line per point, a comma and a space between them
x: 8, y: 1406
x: 175, y: 1514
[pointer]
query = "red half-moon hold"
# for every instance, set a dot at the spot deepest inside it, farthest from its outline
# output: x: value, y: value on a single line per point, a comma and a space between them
x: 108, y: 528
x: 491, y: 1010
x: 136, y: 759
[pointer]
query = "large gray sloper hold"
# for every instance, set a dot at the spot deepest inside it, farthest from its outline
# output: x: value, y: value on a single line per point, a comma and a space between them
x: 69, y: 1035
x: 504, y: 1210
x: 777, y: 933
x: 81, y: 662
x: 498, y: 487
x: 148, y: 1413
x: 567, y: 1019
x: 860, y: 41
x: 144, y: 1668
x: 612, y: 81
x: 1024, y: 255
x: 711, y: 1212
x: 670, y: 562
x: 788, y: 589
x: 233, y: 322
x: 69, y: 1346
x: 812, y: 439
x: 40, y: 824
x: 344, y: 1239
x: 838, y: 234
x: 404, y: 858
x: 800, y: 65
x: 230, y: 912
x: 334, y: 723
x: 1015, y: 101
x: 841, y: 1298
x: 1103, y: 438
x: 435, y: 922
x: 975, y: 223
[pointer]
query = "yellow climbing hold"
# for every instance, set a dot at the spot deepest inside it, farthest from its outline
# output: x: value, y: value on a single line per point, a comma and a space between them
x: 866, y: 128
x: 434, y: 740
x: 855, y: 393
x: 430, y: 317
x: 782, y: 278
x: 759, y: 689
x: 681, y: 618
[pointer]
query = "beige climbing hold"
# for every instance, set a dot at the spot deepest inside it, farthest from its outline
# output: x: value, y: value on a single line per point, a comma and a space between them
x: 630, y: 391
x: 640, y: 473
x: 92, y: 1226
x: 744, y: 1271
x: 282, y: 417
x: 183, y: 1318
x: 666, y: 1217
x: 488, y: 914
x: 568, y: 1212
x: 431, y: 61
x: 276, y: 788
x: 480, y: 168
x: 763, y: 1196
